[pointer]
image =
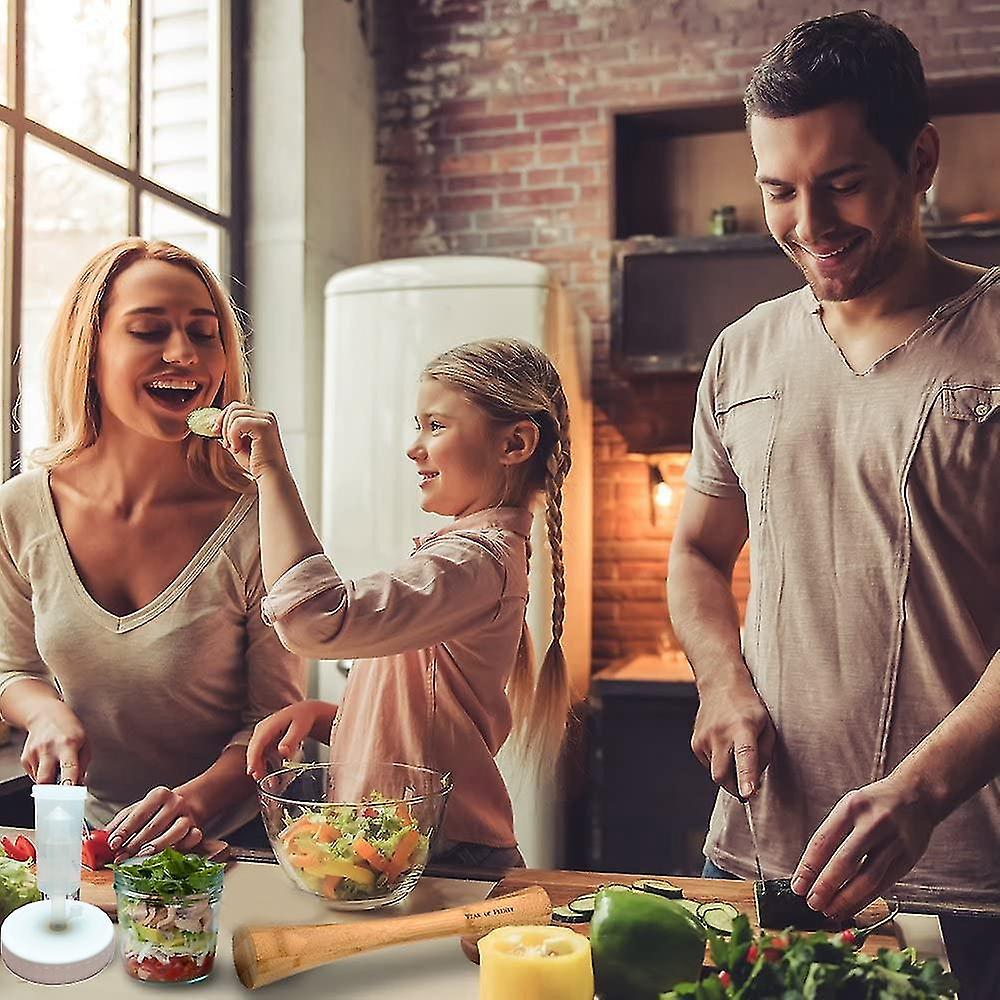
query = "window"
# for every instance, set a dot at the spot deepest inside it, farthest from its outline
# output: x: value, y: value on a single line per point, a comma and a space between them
x: 116, y: 118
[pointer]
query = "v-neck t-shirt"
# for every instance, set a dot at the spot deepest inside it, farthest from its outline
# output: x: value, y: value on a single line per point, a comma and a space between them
x: 162, y: 691
x: 873, y: 502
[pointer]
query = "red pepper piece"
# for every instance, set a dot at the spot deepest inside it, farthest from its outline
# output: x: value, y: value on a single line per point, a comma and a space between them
x: 95, y: 853
x: 21, y: 849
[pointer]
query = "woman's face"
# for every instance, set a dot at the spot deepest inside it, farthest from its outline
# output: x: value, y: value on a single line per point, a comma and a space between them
x: 159, y: 353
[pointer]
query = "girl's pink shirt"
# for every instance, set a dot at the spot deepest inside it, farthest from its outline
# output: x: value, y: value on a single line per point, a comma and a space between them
x: 434, y: 643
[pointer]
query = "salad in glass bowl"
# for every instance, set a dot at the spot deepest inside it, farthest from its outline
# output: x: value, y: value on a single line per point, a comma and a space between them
x: 358, y: 836
x: 168, y: 912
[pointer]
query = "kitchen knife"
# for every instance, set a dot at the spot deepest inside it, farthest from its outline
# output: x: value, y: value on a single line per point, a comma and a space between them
x: 753, y: 835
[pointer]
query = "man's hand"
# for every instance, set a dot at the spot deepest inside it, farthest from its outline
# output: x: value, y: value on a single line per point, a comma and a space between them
x: 733, y: 736
x: 56, y: 746
x: 164, y: 818
x: 871, y: 839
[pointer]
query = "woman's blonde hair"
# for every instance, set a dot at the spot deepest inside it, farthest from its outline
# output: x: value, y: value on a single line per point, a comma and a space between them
x: 511, y: 380
x: 72, y: 402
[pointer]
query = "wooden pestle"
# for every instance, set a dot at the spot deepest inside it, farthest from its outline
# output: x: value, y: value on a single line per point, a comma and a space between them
x: 263, y: 955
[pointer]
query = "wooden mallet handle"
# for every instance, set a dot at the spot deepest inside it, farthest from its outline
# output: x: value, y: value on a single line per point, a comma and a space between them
x: 264, y: 955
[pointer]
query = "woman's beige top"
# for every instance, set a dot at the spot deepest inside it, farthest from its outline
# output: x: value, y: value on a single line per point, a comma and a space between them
x: 874, y: 507
x: 161, y: 692
x: 437, y: 638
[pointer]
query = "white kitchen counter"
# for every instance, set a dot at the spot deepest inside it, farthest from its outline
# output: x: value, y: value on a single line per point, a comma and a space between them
x: 262, y: 894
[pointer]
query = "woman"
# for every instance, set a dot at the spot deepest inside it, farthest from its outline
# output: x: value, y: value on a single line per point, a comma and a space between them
x: 132, y: 648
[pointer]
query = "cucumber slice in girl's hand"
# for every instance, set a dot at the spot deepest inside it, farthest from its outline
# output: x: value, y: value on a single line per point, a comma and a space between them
x: 205, y: 421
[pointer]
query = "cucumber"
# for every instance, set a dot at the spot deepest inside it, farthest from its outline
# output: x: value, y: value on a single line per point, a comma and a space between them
x: 583, y: 904
x: 691, y: 905
x: 614, y: 885
x: 778, y: 907
x: 659, y: 887
x: 564, y: 915
x: 203, y: 421
x: 718, y: 917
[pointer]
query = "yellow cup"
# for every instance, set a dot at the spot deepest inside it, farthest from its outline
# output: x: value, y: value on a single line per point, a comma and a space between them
x: 535, y: 963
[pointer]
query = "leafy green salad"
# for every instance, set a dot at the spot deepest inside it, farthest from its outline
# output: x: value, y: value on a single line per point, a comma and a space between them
x: 18, y: 884
x: 353, y: 852
x: 816, y: 966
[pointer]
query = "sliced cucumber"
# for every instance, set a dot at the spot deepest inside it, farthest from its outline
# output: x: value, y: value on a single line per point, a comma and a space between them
x: 658, y: 886
x: 718, y: 917
x: 615, y: 885
x: 203, y: 421
x: 691, y: 905
x: 565, y: 915
x: 583, y: 904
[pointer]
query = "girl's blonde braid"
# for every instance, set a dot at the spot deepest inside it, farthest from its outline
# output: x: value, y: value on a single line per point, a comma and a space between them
x: 552, y: 699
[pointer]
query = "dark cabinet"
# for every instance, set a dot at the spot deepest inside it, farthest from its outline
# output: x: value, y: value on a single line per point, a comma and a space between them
x: 650, y: 798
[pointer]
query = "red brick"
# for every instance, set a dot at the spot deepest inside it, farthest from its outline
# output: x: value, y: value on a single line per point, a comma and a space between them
x: 524, y: 102
x: 480, y: 123
x: 560, y: 135
x: 506, y: 140
x: 510, y: 161
x: 579, y: 175
x: 537, y: 196
x: 464, y: 164
x: 564, y: 117
x: 484, y: 182
x: 541, y: 43
x: 465, y: 202
x: 557, y: 154
x: 549, y: 176
x: 505, y: 240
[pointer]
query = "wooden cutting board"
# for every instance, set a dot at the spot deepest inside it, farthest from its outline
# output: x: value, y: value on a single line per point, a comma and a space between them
x: 564, y: 886
x: 98, y: 887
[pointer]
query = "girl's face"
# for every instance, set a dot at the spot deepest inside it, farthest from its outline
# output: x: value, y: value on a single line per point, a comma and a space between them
x: 458, y: 452
x: 159, y: 353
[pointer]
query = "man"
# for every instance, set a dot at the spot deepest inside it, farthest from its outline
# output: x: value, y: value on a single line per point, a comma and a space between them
x: 851, y: 429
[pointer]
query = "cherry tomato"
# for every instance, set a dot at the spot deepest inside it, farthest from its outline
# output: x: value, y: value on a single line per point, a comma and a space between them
x: 725, y: 979
x: 752, y: 954
x: 849, y: 937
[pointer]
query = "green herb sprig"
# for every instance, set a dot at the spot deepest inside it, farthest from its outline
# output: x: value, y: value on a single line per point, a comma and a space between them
x: 170, y: 874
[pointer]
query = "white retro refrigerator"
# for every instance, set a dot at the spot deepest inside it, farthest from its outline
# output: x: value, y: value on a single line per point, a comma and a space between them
x: 384, y: 321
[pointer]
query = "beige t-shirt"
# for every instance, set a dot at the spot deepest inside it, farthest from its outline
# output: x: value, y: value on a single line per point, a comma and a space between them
x: 161, y: 692
x: 874, y: 509
x: 438, y: 637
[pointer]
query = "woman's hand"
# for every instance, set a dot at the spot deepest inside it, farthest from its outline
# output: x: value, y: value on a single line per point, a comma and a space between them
x: 164, y: 818
x: 284, y: 732
x: 252, y: 437
x: 56, y: 747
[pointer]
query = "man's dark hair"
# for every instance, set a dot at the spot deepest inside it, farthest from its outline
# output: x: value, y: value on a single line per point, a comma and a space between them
x: 846, y: 57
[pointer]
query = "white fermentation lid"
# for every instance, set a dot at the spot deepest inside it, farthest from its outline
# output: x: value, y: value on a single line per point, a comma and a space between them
x: 34, y: 951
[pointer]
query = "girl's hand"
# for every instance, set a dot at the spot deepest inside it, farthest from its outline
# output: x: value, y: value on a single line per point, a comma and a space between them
x: 164, y: 818
x: 253, y: 439
x: 56, y: 747
x: 284, y: 731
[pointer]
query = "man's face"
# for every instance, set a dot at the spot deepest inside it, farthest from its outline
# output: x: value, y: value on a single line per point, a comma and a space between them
x: 834, y: 199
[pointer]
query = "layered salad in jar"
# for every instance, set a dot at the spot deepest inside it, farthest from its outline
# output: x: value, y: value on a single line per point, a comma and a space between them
x: 168, y: 907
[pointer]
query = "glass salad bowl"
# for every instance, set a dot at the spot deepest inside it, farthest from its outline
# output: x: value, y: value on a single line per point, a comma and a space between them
x: 357, y: 835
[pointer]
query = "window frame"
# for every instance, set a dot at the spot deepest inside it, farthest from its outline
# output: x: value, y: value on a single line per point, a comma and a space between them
x: 230, y: 218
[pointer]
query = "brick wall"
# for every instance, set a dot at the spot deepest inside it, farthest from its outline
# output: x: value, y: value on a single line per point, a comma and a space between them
x: 494, y: 138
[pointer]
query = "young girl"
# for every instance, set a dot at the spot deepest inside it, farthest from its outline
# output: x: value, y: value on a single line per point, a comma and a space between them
x: 443, y: 636
x: 131, y: 645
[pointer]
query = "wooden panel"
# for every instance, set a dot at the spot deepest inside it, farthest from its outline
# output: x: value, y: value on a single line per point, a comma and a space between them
x: 564, y: 886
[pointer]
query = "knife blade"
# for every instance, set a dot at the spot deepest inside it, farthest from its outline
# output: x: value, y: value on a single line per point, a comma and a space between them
x: 753, y: 836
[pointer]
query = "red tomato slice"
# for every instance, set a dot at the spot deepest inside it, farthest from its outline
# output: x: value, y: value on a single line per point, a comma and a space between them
x: 95, y: 853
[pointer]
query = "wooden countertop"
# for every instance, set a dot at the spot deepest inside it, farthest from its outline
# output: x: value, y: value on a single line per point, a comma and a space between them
x: 650, y: 673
